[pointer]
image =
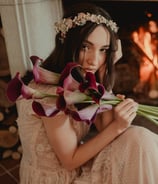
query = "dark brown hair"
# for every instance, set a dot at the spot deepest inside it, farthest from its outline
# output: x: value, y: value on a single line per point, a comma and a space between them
x: 68, y: 51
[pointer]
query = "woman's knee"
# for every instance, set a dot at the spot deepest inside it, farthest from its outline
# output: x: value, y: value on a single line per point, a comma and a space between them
x: 138, y: 135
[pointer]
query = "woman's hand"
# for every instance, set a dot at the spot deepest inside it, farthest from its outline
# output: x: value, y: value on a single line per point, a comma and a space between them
x: 124, y: 113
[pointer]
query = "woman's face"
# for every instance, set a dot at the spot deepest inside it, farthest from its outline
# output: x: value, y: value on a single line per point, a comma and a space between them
x: 94, y: 50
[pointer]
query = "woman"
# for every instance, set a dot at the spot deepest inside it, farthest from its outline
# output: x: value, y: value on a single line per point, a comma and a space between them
x: 53, y: 151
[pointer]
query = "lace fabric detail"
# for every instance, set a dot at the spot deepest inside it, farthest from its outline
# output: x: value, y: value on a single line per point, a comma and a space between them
x: 39, y: 162
x: 45, y: 152
x: 103, y: 169
x: 97, y: 170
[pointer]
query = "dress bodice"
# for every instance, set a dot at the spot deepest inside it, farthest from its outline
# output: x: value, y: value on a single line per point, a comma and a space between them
x: 37, y: 152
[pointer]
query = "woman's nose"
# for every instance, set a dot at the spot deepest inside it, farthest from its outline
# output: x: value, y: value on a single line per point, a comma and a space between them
x: 93, y: 59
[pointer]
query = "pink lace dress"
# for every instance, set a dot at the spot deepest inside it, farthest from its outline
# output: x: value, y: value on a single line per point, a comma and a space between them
x: 132, y: 158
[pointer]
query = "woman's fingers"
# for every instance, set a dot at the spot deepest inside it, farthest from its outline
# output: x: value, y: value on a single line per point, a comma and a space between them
x: 125, y: 105
x: 121, y: 96
x: 125, y: 112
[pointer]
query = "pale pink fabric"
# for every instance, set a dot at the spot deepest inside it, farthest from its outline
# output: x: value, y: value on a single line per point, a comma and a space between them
x: 132, y: 158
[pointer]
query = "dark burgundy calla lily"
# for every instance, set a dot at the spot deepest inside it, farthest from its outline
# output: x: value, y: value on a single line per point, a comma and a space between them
x: 14, y: 88
x: 44, y: 110
x: 88, y: 83
x: 86, y: 114
x: 34, y: 59
x: 90, y: 87
x: 97, y: 94
x: 67, y: 70
x: 60, y: 103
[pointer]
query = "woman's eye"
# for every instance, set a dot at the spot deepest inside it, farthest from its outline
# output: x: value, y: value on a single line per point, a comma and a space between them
x: 85, y: 47
x: 105, y: 50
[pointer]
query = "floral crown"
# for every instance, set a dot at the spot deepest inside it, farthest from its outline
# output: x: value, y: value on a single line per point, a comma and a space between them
x: 67, y: 23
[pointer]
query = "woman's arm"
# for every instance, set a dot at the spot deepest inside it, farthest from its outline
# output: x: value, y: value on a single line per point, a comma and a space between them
x: 63, y: 138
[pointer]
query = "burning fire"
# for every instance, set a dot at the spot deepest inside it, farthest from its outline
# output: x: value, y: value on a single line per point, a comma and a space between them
x: 147, y: 40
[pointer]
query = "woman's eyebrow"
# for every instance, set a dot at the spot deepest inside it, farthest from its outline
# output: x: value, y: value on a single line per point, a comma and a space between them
x: 89, y: 42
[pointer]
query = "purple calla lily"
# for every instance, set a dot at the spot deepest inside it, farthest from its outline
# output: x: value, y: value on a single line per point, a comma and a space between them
x: 86, y: 114
x: 30, y: 93
x: 70, y: 83
x: 27, y: 92
x: 42, y: 75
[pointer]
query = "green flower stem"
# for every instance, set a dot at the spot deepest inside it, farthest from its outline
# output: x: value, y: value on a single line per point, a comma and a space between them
x: 111, y: 102
x: 152, y: 119
x: 49, y: 95
x: 147, y: 111
x: 149, y: 108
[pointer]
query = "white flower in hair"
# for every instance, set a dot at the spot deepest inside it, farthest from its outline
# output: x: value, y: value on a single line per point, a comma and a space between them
x: 80, y: 19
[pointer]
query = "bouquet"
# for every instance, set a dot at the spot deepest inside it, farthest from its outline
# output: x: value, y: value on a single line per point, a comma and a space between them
x: 77, y: 93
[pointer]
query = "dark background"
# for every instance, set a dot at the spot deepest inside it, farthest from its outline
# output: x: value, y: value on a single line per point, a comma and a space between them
x: 125, y: 13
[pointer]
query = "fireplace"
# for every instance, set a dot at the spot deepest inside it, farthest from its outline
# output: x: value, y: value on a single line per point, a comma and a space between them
x: 137, y: 70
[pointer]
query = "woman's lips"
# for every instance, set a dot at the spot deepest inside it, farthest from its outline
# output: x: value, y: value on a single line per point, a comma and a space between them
x: 90, y: 70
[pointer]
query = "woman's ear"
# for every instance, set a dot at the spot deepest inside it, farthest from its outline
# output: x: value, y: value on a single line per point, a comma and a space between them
x: 118, y: 53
